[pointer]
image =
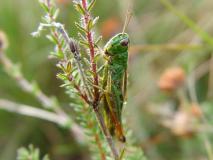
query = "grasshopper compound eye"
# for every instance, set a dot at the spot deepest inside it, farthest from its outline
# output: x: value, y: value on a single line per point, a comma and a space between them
x: 124, y: 42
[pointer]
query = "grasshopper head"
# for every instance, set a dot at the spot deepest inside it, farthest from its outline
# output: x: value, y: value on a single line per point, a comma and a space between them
x: 117, y: 44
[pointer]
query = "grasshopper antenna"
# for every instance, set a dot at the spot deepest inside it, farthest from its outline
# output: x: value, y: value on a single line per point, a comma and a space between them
x: 127, y: 19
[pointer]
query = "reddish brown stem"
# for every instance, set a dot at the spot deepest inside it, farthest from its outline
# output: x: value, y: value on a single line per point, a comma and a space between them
x: 96, y: 83
x: 97, y: 139
x: 92, y: 53
x: 100, y: 147
x: 83, y: 96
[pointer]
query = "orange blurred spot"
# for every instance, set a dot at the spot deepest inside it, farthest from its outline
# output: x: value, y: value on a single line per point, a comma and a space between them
x: 110, y: 27
x: 196, y: 110
x: 64, y: 2
x: 171, y: 79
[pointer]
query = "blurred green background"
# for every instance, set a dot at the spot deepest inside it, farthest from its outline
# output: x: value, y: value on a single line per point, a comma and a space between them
x: 153, y: 28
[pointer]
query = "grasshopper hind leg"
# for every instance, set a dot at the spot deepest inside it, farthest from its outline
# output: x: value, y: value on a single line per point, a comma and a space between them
x: 107, y: 119
x: 115, y: 125
x: 112, y: 119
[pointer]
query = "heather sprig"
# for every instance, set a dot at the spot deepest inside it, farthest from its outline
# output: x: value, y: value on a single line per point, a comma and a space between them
x: 81, y: 75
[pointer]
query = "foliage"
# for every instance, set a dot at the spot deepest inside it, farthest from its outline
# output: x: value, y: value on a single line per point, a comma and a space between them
x: 79, y: 71
x: 30, y: 153
x: 168, y: 114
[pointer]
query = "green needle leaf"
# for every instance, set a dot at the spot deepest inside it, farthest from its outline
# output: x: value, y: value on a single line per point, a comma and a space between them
x: 91, y: 5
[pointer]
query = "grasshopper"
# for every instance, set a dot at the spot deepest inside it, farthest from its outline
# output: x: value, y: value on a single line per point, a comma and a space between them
x: 115, y: 82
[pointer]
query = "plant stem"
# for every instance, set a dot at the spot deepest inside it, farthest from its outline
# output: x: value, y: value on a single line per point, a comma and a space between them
x: 83, y: 96
x: 24, y: 84
x: 95, y: 104
x: 76, y: 54
x: 46, y: 102
x: 97, y: 137
x: 100, y: 147
x: 77, y: 59
x: 92, y: 52
x: 106, y: 134
x: 32, y: 112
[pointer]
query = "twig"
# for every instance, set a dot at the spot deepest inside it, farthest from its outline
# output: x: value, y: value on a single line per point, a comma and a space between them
x: 33, y: 112
x: 24, y: 84
x: 77, y: 59
x: 92, y: 97
x: 46, y: 102
x: 83, y: 96
x: 95, y: 104
x: 107, y: 134
x: 92, y: 52
x: 100, y: 147
x: 91, y: 124
x: 42, y: 114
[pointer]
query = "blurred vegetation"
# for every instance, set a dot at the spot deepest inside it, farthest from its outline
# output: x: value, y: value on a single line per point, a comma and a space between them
x: 168, y: 123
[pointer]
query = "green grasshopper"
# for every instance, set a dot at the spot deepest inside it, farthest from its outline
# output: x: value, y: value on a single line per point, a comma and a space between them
x: 115, y: 82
